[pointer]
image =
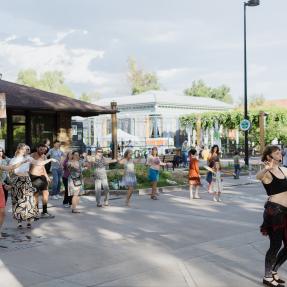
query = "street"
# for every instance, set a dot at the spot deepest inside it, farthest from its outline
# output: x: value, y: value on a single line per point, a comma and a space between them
x: 169, y: 242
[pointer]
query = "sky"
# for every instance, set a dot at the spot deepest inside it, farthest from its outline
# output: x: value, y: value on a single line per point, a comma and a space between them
x: 181, y: 41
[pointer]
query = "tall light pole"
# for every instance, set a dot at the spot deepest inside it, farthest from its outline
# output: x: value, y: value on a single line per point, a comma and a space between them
x: 250, y: 3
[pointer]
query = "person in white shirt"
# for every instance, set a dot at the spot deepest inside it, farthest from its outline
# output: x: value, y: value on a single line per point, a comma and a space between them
x: 23, y: 205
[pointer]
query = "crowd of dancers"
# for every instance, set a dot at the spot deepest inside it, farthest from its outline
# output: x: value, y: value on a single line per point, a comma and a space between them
x: 26, y: 177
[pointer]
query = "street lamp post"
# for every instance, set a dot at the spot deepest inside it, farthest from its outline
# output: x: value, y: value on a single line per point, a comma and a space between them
x: 251, y: 3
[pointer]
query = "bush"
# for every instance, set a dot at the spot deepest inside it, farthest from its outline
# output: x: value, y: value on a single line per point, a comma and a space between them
x: 115, y: 176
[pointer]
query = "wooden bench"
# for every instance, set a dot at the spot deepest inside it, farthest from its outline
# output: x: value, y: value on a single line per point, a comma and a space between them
x: 168, y: 159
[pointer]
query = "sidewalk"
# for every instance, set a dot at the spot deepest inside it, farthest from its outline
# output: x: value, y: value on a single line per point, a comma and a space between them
x: 170, y: 242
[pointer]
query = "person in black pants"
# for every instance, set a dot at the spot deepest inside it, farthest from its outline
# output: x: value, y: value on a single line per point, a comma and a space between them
x: 67, y: 202
x: 274, y: 179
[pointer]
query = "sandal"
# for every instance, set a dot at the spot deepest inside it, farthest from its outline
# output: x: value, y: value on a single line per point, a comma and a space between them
x: 271, y: 283
x: 276, y: 277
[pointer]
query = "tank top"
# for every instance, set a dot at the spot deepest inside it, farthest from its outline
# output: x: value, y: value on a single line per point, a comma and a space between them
x: 129, y: 167
x: 277, y: 185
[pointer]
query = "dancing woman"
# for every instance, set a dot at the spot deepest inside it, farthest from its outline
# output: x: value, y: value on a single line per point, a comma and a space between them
x: 154, y: 164
x: 101, y: 179
x: 274, y: 179
x: 212, y: 158
x: 129, y: 179
x: 193, y: 174
x: 75, y: 180
x: 23, y: 205
x: 4, y: 169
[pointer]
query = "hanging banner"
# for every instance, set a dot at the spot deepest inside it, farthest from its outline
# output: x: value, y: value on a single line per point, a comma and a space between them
x: 2, y: 106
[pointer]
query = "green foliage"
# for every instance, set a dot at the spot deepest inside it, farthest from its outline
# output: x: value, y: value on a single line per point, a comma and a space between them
x: 51, y: 81
x: 141, y: 81
x: 200, y: 89
x: 276, y: 122
x: 90, y: 97
x: 115, y: 176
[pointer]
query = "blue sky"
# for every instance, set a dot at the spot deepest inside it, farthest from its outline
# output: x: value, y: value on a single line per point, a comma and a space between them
x: 181, y: 41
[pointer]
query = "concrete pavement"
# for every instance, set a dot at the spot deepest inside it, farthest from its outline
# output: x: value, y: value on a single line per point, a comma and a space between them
x: 169, y: 242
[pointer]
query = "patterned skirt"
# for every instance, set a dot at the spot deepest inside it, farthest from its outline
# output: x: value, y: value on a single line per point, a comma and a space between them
x: 129, y: 179
x: 73, y: 189
x: 23, y: 206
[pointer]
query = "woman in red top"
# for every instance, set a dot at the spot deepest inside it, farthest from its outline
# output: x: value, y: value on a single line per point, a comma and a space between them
x: 193, y: 174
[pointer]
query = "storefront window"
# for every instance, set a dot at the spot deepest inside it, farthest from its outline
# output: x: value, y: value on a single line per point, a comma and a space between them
x: 42, y: 128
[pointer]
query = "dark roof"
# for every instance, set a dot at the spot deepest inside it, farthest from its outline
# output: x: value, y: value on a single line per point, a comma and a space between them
x: 27, y: 98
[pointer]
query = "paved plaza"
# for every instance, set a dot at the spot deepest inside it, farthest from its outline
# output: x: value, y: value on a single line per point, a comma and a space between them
x: 169, y: 242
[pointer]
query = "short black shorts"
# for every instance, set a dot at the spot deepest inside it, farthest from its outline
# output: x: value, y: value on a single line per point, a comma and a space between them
x: 39, y: 182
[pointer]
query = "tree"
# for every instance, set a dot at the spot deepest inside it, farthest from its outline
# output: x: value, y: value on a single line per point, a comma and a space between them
x: 254, y: 101
x: 200, y: 89
x: 50, y: 81
x: 90, y: 97
x: 141, y: 81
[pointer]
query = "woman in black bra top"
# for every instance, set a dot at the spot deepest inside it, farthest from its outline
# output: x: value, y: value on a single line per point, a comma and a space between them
x: 274, y: 179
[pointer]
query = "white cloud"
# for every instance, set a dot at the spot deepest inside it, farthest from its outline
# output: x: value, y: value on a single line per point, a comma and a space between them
x: 73, y: 62
x: 36, y: 41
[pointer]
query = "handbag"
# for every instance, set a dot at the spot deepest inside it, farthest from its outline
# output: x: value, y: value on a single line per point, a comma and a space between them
x: 77, y: 179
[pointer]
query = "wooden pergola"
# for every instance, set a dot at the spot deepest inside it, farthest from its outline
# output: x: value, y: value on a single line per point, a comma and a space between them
x: 33, y: 114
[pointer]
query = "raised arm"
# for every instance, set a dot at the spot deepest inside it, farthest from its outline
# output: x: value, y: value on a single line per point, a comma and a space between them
x: 121, y: 161
x: 263, y: 172
x: 41, y: 162
x: 12, y: 166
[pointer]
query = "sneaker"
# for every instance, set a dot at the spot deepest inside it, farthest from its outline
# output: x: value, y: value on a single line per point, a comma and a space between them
x: 59, y: 196
x: 19, y: 225
x: 106, y: 204
x: 29, y: 225
x: 47, y: 215
x: 214, y: 199
x: 55, y: 197
x: 219, y: 200
x: 99, y: 205
x: 66, y: 205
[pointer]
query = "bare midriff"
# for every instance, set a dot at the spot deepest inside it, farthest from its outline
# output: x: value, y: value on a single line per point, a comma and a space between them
x: 280, y: 198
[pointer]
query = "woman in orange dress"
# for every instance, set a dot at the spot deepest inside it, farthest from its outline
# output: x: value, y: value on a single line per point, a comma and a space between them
x: 193, y: 175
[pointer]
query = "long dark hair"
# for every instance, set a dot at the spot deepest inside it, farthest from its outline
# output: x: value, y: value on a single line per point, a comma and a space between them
x: 192, y: 152
x: 213, y: 149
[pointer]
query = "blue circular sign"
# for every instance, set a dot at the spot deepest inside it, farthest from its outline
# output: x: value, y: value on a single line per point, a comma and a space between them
x: 245, y: 125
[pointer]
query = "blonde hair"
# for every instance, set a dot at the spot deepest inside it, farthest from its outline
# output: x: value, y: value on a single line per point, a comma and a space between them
x: 20, y: 146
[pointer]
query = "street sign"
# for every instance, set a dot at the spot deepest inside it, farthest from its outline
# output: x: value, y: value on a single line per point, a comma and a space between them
x: 245, y: 125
